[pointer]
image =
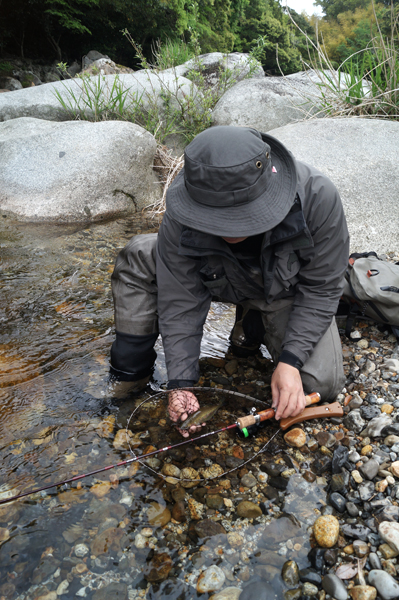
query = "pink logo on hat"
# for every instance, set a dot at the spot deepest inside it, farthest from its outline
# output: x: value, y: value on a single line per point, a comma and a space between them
x: 274, y: 170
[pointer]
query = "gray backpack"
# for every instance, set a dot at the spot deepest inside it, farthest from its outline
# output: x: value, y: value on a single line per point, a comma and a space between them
x: 371, y: 291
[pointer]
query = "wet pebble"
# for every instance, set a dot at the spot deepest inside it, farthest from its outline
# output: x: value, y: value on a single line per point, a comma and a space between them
x: 326, y: 531
x: 248, y: 510
x: 309, y: 589
x: 234, y: 539
x: 386, y: 585
x: 179, y: 512
x: 196, y: 509
x: 158, y: 568
x: 290, y: 573
x: 338, y: 502
x: 352, y: 509
x: 334, y: 587
x: 248, y: 480
x: 360, y: 548
x: 189, y: 477
x: 157, y: 514
x: 170, y: 470
x: 310, y: 576
x: 210, y: 580
x: 81, y: 550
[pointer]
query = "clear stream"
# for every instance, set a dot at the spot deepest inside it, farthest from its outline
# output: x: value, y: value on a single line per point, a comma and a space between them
x: 56, y: 329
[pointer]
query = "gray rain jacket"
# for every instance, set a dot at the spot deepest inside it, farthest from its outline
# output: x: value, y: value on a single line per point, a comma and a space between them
x: 305, y: 256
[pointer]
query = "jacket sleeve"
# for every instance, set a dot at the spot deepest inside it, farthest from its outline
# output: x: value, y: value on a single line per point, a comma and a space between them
x: 183, y: 304
x: 321, y: 276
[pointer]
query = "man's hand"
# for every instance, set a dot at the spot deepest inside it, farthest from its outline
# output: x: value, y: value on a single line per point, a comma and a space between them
x: 287, y: 391
x: 181, y: 404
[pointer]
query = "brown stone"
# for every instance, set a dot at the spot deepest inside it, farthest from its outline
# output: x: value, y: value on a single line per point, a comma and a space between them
x: 106, y: 428
x: 326, y: 531
x: 363, y: 592
x: 387, y: 408
x: 295, y: 437
x: 100, y: 489
x: 158, y: 568
x: 179, y: 512
x: 108, y: 540
x: 158, y: 515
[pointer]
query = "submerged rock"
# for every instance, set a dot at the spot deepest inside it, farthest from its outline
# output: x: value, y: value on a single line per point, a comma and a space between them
x: 210, y: 580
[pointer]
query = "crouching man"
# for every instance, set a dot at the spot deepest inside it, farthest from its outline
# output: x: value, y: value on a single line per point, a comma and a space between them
x: 245, y: 223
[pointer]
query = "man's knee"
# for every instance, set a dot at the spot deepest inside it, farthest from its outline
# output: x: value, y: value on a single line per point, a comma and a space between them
x: 323, y: 372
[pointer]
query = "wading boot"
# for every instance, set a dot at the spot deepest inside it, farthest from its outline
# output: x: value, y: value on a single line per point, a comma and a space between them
x: 247, y: 333
x: 132, y: 363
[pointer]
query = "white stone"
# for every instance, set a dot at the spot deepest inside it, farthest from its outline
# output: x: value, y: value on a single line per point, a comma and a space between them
x: 263, y: 103
x: 63, y: 588
x: 41, y: 101
x: 81, y: 550
x: 389, y: 532
x: 368, y: 182
x: 386, y: 585
x: 76, y: 171
x: 238, y: 64
x: 210, y: 580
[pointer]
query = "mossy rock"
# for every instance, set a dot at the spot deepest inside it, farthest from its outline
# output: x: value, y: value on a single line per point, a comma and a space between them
x: 6, y: 69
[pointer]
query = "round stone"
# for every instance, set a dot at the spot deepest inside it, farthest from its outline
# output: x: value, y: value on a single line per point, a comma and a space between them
x: 334, y: 586
x: 395, y: 468
x: 235, y: 539
x: 248, y: 510
x: 170, y: 470
x: 191, y: 476
x: 389, y: 532
x: 248, y: 480
x: 290, y: 573
x: 363, y: 592
x: 81, y: 550
x: 386, y: 585
x: 210, y: 580
x: 326, y: 531
x: 157, y: 514
x: 309, y: 589
x: 295, y: 437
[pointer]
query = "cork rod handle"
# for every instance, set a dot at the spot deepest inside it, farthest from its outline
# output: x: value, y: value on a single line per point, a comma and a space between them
x: 270, y: 412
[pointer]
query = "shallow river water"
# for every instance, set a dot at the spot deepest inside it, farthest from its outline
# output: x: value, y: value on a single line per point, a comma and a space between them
x: 58, y: 419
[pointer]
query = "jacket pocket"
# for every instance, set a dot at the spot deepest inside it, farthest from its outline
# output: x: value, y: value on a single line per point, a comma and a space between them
x: 287, y: 268
x: 214, y: 278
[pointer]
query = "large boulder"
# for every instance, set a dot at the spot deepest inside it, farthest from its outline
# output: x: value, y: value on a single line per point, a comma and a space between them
x: 361, y: 157
x: 267, y: 103
x: 212, y: 66
x: 144, y: 87
x: 75, y: 171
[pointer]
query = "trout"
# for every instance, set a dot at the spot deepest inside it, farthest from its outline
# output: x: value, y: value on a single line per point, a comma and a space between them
x: 202, y: 415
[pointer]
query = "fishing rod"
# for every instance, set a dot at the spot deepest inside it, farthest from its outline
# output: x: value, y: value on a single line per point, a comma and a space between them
x: 245, y: 424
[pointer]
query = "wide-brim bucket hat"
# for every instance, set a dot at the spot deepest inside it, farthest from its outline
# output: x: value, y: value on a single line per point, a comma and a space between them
x: 235, y: 182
